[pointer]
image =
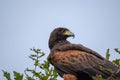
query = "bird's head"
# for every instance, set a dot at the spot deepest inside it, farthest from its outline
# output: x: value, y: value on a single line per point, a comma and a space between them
x: 61, y: 33
x: 58, y: 35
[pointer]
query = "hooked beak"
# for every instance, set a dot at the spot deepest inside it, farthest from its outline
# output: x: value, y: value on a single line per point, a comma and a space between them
x: 69, y: 34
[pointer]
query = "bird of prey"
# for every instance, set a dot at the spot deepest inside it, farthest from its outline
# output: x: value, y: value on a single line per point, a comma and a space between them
x: 77, y: 62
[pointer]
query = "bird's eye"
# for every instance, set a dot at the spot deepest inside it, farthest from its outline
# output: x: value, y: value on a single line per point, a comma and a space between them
x: 63, y: 31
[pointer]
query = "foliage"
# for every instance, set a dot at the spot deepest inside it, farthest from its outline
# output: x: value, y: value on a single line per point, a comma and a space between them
x: 44, y: 71
x: 116, y: 62
x: 41, y: 71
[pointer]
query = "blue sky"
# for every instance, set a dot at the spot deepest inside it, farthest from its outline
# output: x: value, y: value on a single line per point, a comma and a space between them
x: 27, y: 23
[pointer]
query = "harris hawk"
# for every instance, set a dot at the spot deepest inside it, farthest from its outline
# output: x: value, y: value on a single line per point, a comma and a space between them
x: 77, y: 62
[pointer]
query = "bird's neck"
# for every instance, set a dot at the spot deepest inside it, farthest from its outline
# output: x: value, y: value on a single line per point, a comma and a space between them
x: 57, y: 42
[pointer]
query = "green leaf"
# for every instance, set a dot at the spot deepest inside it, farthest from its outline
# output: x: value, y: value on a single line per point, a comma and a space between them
x: 36, y: 62
x: 18, y: 76
x: 108, y: 54
x: 100, y: 77
x: 117, y: 62
x: 29, y: 78
x: 6, y: 75
x: 116, y: 49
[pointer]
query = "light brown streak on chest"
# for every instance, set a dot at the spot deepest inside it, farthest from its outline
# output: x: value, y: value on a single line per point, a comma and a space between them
x: 70, y: 55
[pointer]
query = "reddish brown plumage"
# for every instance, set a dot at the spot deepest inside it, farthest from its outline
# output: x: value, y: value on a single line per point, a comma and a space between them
x: 70, y: 56
x: 69, y: 77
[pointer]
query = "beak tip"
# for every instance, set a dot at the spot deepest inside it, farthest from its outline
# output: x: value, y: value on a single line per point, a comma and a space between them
x: 73, y: 35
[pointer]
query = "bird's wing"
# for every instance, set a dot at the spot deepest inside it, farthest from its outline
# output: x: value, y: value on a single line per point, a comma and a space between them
x: 76, y: 61
x: 77, y: 47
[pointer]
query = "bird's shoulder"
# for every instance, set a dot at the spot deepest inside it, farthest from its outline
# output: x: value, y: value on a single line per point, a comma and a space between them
x: 75, y: 47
